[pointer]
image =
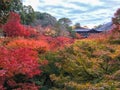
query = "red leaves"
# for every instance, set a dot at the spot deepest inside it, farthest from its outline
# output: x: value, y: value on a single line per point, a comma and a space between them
x: 16, y: 63
x: 13, y: 27
x: 2, y: 72
x: 38, y: 45
x: 2, y: 78
x: 14, y: 17
x: 60, y: 42
x: 79, y: 36
x: 1, y: 87
x: 42, y: 44
x: 57, y: 42
x: 19, y: 61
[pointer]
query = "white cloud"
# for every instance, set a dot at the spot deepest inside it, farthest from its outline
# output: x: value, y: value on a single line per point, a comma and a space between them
x: 90, y: 2
x: 52, y: 2
x: 33, y: 3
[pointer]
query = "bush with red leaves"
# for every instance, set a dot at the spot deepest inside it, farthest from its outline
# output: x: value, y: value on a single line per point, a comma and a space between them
x: 19, y: 61
x: 57, y: 42
x: 14, y: 28
x: 22, y: 62
x: 39, y: 45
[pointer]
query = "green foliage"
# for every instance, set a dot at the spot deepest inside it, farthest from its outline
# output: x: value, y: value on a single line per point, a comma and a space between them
x: 4, y: 10
x: 6, y: 6
x: 77, y: 25
x: 117, y: 41
x: 16, y: 5
x: 27, y: 15
x: 87, y: 64
x: 116, y: 18
x: 65, y: 21
x: 26, y: 12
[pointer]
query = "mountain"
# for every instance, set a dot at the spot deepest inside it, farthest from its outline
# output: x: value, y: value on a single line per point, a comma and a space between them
x: 104, y: 27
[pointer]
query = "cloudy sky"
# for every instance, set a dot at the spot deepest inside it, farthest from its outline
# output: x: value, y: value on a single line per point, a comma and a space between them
x: 86, y: 12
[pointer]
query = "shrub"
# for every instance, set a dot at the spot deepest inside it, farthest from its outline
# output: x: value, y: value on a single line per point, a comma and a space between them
x: 57, y: 42
x: 22, y: 62
x: 38, y: 45
x: 13, y: 27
